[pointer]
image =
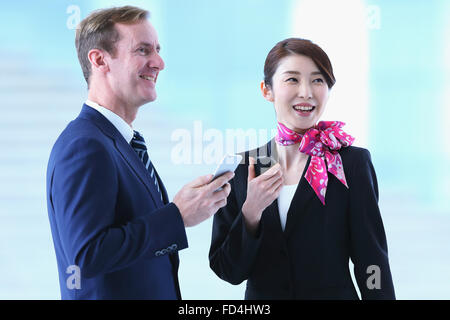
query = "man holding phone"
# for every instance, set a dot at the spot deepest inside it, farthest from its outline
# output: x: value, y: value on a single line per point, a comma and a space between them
x: 110, y: 216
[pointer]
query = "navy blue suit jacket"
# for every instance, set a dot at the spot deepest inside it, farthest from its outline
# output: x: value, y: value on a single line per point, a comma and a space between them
x: 107, y: 218
x: 310, y: 258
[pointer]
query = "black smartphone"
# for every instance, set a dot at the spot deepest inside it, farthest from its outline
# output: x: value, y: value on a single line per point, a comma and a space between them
x: 263, y: 163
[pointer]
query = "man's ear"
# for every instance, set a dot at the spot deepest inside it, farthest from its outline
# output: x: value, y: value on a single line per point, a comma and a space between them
x: 98, y: 61
x: 266, y: 92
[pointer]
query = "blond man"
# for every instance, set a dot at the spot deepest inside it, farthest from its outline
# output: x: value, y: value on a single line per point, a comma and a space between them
x: 115, y: 232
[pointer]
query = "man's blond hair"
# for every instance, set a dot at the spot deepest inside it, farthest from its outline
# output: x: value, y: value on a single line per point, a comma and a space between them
x: 97, y: 31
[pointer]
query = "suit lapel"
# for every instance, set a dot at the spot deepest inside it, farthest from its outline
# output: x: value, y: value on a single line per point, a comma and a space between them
x: 162, y: 188
x: 271, y: 215
x: 138, y: 167
x: 302, y: 196
x: 124, y: 149
x: 301, y: 199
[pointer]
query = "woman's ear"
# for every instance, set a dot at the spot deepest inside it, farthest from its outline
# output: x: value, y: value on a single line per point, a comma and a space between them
x: 266, y: 92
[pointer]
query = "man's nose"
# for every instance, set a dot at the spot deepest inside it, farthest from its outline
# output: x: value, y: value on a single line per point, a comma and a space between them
x: 159, y: 62
x: 156, y: 62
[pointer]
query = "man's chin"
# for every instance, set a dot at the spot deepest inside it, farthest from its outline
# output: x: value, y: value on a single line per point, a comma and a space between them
x: 148, y: 99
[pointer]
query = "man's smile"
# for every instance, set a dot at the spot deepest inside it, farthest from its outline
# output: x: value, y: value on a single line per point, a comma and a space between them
x: 149, y: 77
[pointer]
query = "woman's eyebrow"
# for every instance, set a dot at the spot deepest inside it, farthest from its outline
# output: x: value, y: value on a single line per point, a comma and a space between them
x: 297, y: 72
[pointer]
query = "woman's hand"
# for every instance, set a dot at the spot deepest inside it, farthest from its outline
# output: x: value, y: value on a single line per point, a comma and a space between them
x: 261, y: 192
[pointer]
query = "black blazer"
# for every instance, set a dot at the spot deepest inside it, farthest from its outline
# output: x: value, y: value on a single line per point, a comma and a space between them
x: 310, y: 258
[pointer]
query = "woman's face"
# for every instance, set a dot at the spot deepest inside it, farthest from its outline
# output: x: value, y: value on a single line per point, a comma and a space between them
x: 299, y: 92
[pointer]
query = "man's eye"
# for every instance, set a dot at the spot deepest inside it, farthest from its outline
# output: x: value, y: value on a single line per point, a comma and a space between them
x: 143, y: 50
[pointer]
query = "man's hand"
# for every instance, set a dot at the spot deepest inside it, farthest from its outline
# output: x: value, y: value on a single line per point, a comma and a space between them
x: 261, y: 192
x: 199, y: 200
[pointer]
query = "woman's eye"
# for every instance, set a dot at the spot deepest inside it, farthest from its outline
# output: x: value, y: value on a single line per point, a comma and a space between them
x: 291, y: 80
x: 318, y: 80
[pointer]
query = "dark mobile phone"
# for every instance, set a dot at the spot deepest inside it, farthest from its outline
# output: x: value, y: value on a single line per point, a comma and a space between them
x: 263, y: 164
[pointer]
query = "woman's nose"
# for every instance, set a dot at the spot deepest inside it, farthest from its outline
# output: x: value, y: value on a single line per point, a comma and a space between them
x: 304, y: 90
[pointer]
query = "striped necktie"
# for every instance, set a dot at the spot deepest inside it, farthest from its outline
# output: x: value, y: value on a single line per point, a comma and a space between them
x: 138, y: 144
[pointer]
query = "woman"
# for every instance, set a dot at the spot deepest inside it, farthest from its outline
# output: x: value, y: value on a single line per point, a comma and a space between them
x: 291, y: 230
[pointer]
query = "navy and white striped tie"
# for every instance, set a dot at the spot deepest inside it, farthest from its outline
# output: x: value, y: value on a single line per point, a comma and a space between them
x: 138, y: 144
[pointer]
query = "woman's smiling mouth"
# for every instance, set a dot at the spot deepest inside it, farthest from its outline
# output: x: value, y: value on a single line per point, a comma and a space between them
x: 304, y: 109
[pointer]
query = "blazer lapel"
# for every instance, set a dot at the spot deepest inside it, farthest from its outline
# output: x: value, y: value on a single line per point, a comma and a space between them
x: 162, y: 188
x: 302, y: 196
x: 124, y: 148
x: 271, y: 215
x: 301, y: 199
x: 136, y: 164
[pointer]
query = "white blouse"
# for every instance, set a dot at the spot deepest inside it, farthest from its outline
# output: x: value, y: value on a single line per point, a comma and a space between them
x: 284, y: 202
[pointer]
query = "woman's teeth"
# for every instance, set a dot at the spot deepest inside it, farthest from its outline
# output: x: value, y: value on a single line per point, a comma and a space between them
x: 304, y: 108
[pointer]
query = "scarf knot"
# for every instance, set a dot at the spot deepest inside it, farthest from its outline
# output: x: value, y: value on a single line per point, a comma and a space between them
x: 322, y: 142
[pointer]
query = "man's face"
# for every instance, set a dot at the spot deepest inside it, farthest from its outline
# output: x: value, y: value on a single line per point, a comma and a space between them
x: 135, y: 66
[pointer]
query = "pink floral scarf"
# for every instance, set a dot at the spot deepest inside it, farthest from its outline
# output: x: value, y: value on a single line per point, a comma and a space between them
x: 322, y: 143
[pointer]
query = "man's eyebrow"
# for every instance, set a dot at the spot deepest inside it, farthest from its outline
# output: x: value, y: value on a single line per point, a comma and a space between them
x: 296, y: 72
x: 147, y: 44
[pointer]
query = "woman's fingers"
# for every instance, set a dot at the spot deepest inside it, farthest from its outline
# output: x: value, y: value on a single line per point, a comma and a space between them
x: 272, y: 172
x: 251, y: 169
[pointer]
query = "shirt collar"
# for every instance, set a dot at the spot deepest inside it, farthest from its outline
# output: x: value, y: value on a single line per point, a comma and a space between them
x: 120, y: 124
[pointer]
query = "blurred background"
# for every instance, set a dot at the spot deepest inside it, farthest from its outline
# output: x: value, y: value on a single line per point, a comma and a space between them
x: 391, y: 61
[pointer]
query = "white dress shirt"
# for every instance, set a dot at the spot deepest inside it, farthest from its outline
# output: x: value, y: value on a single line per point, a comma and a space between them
x: 120, y: 124
x: 284, y: 202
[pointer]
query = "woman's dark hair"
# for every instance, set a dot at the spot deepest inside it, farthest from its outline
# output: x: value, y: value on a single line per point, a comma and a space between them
x: 304, y: 47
